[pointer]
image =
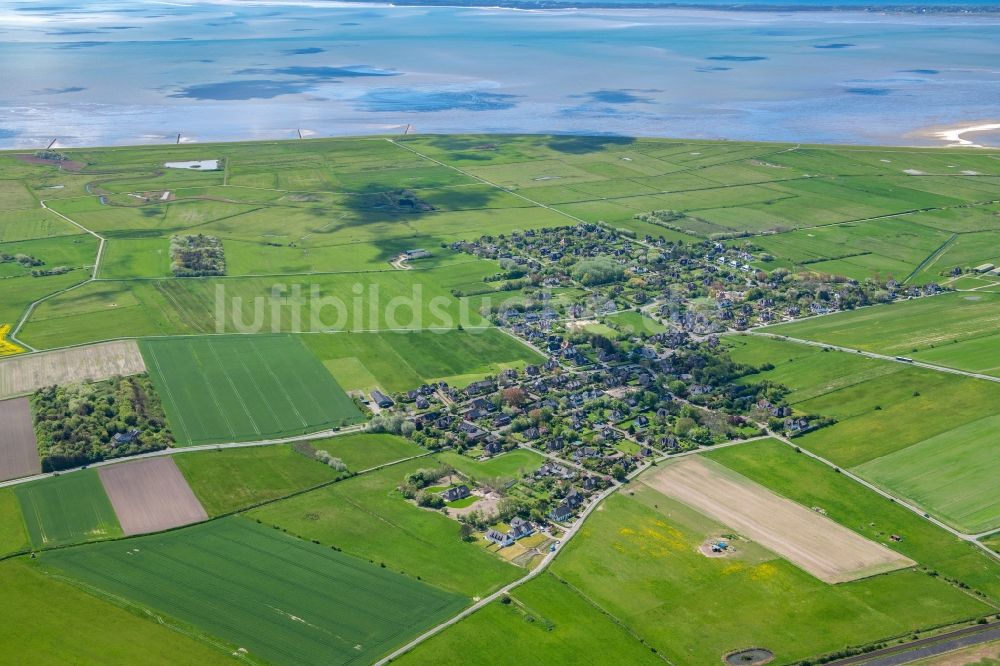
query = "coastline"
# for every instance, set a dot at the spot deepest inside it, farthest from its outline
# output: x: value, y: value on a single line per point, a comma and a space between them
x: 953, y: 137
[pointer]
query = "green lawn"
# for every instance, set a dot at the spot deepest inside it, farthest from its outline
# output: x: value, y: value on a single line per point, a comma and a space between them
x: 13, y: 535
x: 953, y: 475
x: 638, y: 560
x: 811, y: 483
x: 366, y: 517
x: 636, y: 322
x: 51, y: 621
x: 69, y: 508
x: 239, y: 388
x: 552, y: 624
x: 513, y: 464
x: 282, y: 599
x: 230, y: 479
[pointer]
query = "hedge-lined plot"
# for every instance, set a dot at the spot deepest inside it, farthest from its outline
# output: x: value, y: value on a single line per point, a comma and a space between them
x: 282, y: 599
x: 240, y: 388
x: 67, y: 509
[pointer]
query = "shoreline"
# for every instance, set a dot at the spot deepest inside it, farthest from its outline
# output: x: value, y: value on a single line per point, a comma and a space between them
x: 952, y: 136
x: 376, y: 136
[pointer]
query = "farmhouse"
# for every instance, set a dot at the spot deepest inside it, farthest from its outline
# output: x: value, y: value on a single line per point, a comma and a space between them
x: 381, y: 399
x: 456, y: 493
x: 418, y: 253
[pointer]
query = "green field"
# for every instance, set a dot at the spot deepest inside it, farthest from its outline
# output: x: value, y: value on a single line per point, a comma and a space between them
x: 65, y: 509
x: 317, y: 223
x: 56, y: 622
x: 367, y: 517
x: 638, y: 560
x: 807, y: 371
x: 229, y: 479
x: 361, y: 452
x: 942, y: 323
x: 511, y: 465
x: 811, y: 483
x: 953, y: 475
x: 239, y: 388
x: 925, y: 435
x: 553, y: 625
x: 282, y: 599
x: 13, y: 535
x: 402, y: 361
x: 858, y: 250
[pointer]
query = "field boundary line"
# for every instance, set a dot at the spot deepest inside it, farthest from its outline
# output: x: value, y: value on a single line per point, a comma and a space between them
x: 933, y: 255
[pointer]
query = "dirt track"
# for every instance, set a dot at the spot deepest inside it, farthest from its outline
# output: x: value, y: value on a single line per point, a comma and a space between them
x: 150, y: 495
x: 825, y: 549
x: 29, y: 372
x: 18, y: 451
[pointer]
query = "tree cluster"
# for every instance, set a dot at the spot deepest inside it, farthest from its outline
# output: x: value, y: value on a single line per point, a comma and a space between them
x: 196, y: 255
x: 76, y: 424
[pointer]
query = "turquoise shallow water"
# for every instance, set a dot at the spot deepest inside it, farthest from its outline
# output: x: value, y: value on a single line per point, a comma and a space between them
x: 139, y: 72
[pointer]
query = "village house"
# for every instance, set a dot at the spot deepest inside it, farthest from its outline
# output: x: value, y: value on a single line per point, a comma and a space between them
x: 456, y: 493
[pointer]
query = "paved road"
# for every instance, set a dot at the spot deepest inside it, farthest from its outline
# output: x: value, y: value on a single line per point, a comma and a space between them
x: 898, y: 655
x: 881, y: 357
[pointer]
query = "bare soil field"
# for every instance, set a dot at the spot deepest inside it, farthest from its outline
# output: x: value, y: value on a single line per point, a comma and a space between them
x: 18, y: 450
x: 825, y: 549
x: 150, y: 495
x: 23, y: 374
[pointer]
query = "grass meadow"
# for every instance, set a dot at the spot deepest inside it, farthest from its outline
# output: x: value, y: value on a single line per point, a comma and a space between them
x: 638, y: 560
x: 222, y: 389
x: 946, y: 321
x: 57, y: 621
x: 925, y: 435
x: 246, y: 583
x: 366, y: 517
x: 953, y: 474
x: 399, y: 361
x: 66, y: 509
x: 364, y: 451
x: 512, y: 465
x: 230, y: 479
x: 227, y: 480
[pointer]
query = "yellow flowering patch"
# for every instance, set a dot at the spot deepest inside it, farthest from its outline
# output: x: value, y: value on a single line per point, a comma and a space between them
x: 763, y: 571
x: 8, y: 348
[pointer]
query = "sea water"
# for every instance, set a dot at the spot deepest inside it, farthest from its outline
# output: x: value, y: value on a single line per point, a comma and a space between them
x: 95, y: 73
